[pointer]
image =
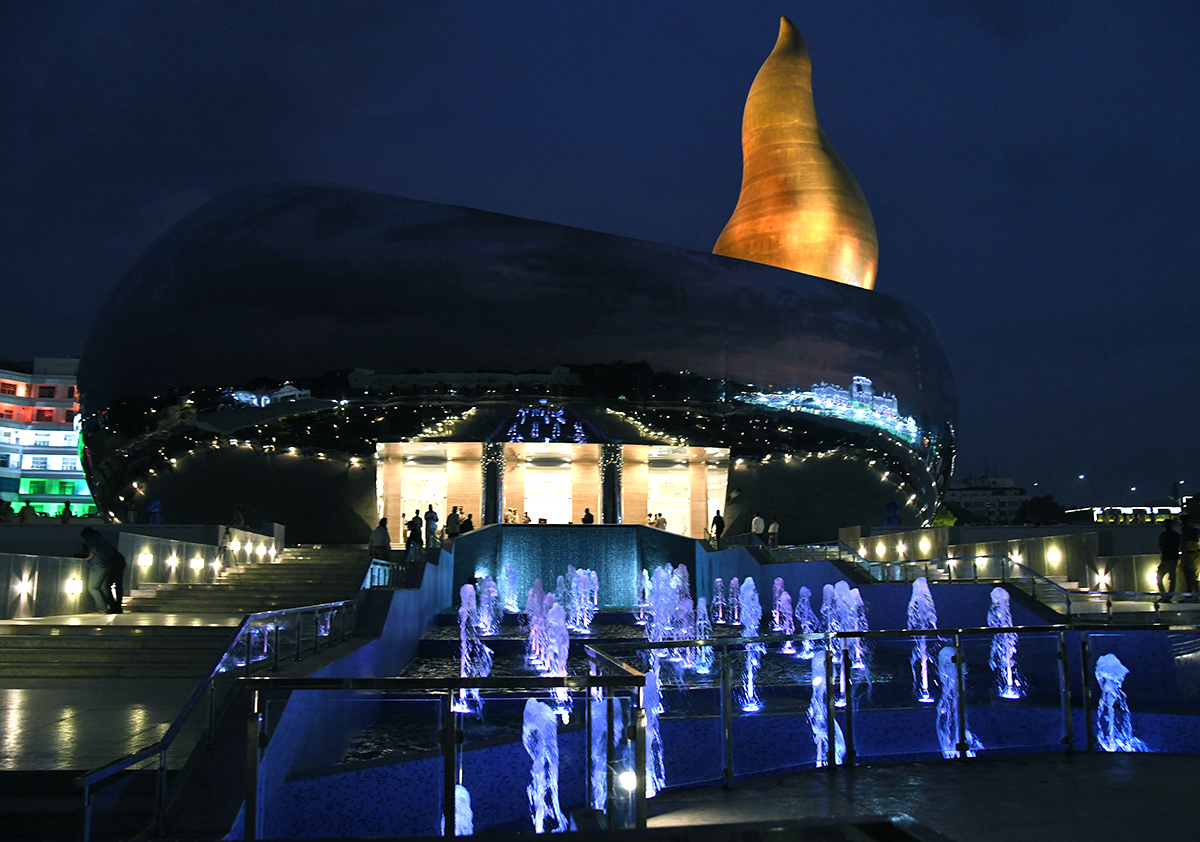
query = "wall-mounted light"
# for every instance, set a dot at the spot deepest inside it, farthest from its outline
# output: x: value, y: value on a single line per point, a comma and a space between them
x: 880, y: 549
x: 24, y: 587
x: 925, y: 545
x: 145, y: 560
x: 235, y: 546
x: 74, y: 586
x: 900, y: 548
x: 172, y: 562
x: 197, y: 563
x: 260, y: 550
x: 1053, y: 555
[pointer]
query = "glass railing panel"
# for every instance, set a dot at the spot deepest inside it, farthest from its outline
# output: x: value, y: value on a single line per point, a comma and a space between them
x: 1145, y: 689
x: 1013, y: 691
x: 345, y: 764
x: 895, y: 710
x: 690, y: 724
x: 769, y: 714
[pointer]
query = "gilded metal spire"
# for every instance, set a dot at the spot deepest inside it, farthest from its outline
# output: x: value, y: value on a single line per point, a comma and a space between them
x: 800, y: 207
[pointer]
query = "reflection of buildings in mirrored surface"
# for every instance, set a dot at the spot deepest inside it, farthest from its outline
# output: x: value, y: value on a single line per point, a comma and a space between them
x: 379, y: 355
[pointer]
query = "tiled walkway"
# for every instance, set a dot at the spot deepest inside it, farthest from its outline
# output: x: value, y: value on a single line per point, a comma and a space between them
x: 1020, y: 798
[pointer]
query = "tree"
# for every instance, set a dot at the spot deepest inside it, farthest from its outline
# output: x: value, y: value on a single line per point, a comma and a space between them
x: 944, y: 517
x: 1041, y: 511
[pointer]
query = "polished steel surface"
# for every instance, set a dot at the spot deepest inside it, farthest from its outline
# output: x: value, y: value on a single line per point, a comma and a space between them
x: 800, y: 207
x: 366, y: 318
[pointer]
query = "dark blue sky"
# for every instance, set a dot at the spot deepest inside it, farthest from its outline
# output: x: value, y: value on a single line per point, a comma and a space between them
x: 1031, y: 166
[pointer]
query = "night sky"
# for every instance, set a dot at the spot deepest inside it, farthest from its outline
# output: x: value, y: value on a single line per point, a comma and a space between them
x: 1031, y: 166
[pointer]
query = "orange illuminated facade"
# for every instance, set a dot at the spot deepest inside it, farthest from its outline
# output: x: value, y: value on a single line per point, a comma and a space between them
x: 800, y: 207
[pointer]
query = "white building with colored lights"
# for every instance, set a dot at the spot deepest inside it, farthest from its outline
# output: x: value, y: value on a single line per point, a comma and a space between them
x: 39, y: 437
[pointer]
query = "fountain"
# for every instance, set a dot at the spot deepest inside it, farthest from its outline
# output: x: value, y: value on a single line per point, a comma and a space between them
x: 582, y: 605
x: 806, y: 621
x: 922, y: 615
x: 491, y: 611
x: 704, y: 655
x: 818, y: 721
x: 719, y: 601
x: 1114, y: 728
x: 535, y: 610
x: 662, y: 601
x: 787, y: 622
x: 833, y: 617
x: 508, y: 588
x: 1003, y: 659
x: 562, y: 588
x: 539, y: 735
x: 558, y: 646
x: 735, y: 609
x: 656, y: 771
x: 948, y: 708
x: 751, y: 611
x: 643, y: 597
x: 684, y: 628
x: 464, y: 819
x: 776, y: 594
x: 599, y: 744
x: 475, y: 659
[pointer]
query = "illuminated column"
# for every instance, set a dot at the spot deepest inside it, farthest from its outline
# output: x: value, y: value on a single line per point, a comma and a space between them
x: 610, y: 483
x: 390, y: 469
x: 492, y: 471
x: 635, y: 483
x: 463, y: 488
x: 514, y: 480
x: 697, y: 492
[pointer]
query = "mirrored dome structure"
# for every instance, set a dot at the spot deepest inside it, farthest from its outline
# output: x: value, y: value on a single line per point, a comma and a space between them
x: 323, y: 356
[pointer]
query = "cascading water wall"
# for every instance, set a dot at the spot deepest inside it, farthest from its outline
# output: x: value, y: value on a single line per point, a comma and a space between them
x: 656, y: 770
x: 751, y: 611
x: 777, y: 591
x: 735, y: 609
x: 535, y: 610
x: 1114, y: 728
x: 818, y: 721
x: 719, y: 602
x: 539, y: 735
x: 704, y: 655
x: 787, y: 622
x: 508, y: 588
x: 922, y: 615
x: 491, y: 612
x: 806, y: 621
x: 599, y: 744
x: 1003, y: 659
x: 947, y: 708
x: 562, y: 588
x: 464, y: 819
x: 558, y: 646
x: 475, y: 659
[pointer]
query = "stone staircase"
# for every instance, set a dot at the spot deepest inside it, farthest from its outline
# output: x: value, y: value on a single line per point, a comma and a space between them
x: 184, y: 628
x: 297, y: 577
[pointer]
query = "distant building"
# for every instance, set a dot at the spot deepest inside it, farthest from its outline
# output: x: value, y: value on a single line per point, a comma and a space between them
x: 39, y: 437
x: 991, y: 499
x: 1129, y: 515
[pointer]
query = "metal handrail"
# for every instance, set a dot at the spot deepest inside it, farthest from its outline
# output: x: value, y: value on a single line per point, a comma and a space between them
x: 89, y: 780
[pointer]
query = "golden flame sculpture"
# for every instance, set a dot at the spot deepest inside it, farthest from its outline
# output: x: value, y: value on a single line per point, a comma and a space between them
x: 800, y: 207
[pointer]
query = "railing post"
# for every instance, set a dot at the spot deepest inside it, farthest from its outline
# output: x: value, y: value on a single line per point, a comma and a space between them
x: 1086, y: 667
x: 253, y: 729
x: 316, y: 631
x: 249, y: 640
x: 639, y: 758
x: 727, y: 716
x: 449, y: 737
x: 160, y: 802
x: 275, y: 664
x: 962, y: 697
x: 848, y: 760
x: 299, y: 633
x: 211, y: 739
x: 1064, y: 690
x: 610, y: 801
x: 830, y: 707
x: 87, y: 813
